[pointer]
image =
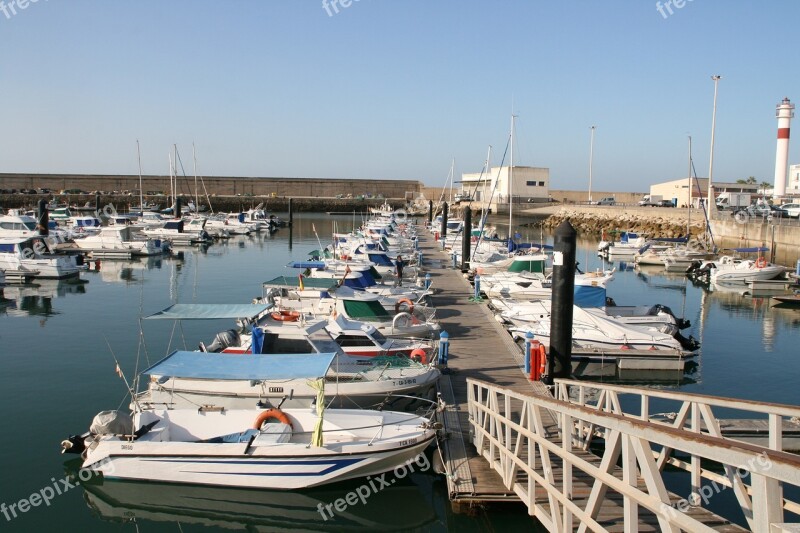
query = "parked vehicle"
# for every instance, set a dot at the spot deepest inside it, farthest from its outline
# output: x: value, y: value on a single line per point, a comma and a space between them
x: 651, y: 200
x: 733, y: 200
x: 792, y: 210
x: 608, y: 200
x: 666, y: 203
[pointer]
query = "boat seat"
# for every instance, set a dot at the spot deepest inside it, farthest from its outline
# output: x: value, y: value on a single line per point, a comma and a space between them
x: 273, y: 433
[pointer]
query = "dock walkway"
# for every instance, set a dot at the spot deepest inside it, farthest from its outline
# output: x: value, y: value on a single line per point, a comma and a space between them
x: 481, y: 349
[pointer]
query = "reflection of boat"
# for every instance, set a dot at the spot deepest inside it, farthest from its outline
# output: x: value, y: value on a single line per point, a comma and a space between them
x: 260, y: 510
x: 125, y: 271
x: 787, y: 300
x: 37, y: 299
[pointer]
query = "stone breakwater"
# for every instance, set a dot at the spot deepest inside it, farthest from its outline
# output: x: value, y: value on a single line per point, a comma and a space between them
x: 655, y: 222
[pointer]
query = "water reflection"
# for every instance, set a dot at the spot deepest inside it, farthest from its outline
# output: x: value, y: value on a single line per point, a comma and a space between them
x: 263, y: 510
x: 128, y: 271
x: 36, y: 299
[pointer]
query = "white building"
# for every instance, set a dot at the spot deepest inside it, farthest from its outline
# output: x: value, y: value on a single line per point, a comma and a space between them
x: 678, y: 190
x: 794, y: 179
x: 524, y: 183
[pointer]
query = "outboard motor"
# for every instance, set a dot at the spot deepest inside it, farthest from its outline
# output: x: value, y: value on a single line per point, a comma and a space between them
x: 224, y: 339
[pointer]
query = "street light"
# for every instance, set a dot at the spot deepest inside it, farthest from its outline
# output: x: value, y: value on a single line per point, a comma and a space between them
x: 711, y: 159
x: 591, y: 161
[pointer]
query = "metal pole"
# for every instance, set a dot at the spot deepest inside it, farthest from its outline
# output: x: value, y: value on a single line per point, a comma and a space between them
x: 710, y: 195
x: 689, y: 211
x: 559, y: 362
x: 591, y: 162
x: 443, y: 232
x: 177, y: 208
x: 467, y: 240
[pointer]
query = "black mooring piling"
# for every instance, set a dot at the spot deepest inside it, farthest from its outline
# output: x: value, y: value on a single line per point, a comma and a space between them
x: 443, y: 229
x: 466, y: 241
x: 177, y: 208
x: 559, y: 360
x: 43, y: 219
x: 291, y: 212
x: 430, y: 212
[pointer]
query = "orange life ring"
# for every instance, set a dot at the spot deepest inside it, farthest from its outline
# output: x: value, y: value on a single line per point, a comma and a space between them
x: 285, y: 316
x: 272, y: 413
x: 761, y: 262
x: 419, y: 353
x: 404, y: 301
x: 543, y: 359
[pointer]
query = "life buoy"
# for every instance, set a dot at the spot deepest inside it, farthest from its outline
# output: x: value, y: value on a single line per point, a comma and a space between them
x: 418, y: 354
x: 276, y: 414
x: 543, y: 360
x: 285, y: 316
x: 761, y: 262
x: 404, y: 301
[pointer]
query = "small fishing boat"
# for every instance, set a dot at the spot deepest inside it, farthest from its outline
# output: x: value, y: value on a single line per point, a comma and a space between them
x: 255, y: 448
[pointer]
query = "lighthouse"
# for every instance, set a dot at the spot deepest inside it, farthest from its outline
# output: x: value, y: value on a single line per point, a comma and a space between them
x: 784, y: 113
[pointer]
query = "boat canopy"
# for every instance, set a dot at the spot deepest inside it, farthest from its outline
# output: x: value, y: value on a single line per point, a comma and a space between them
x: 204, y: 365
x: 319, y: 265
x: 751, y: 250
x: 208, y: 311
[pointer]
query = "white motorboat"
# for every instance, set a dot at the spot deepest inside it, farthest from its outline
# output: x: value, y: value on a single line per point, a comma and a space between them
x: 257, y: 448
x: 32, y: 254
x: 729, y: 269
x: 589, y: 330
x: 16, y: 225
x: 174, y: 232
x: 120, y: 241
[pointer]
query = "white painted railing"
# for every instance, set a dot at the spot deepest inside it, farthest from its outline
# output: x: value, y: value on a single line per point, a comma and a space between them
x: 523, y: 438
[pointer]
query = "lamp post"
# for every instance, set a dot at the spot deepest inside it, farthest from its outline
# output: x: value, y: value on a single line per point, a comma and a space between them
x: 710, y: 200
x: 591, y: 161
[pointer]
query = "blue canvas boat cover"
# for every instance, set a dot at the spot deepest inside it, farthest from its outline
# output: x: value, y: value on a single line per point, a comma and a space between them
x: 205, y: 365
x: 750, y: 250
x: 319, y: 265
x: 293, y: 282
x: 208, y: 311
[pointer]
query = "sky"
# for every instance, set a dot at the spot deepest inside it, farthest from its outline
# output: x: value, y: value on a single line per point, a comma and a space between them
x: 393, y: 89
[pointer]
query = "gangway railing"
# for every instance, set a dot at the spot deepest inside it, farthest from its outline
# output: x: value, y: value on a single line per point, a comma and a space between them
x: 548, y: 464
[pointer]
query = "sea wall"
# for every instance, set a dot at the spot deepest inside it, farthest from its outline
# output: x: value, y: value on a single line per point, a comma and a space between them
x: 654, y: 221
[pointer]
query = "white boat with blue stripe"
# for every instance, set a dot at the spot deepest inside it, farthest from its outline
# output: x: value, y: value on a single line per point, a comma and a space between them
x: 255, y: 448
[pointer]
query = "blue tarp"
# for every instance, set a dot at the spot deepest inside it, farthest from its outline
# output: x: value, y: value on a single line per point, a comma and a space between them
x: 208, y: 311
x: 204, y: 365
x: 751, y: 250
x: 586, y: 296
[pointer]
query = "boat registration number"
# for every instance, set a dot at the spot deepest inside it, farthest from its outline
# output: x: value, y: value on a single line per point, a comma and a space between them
x: 127, y: 447
x: 276, y: 389
x: 404, y: 382
x: 408, y: 442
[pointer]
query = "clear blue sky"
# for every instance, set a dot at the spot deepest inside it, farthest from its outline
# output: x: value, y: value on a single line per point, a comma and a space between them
x: 395, y: 89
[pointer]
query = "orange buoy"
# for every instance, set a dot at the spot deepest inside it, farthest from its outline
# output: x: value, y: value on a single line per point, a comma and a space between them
x: 404, y: 301
x: 276, y: 414
x: 761, y: 262
x: 418, y: 354
x: 285, y: 316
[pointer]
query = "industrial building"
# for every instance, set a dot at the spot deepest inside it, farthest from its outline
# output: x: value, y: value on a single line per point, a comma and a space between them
x: 678, y: 190
x: 525, y: 184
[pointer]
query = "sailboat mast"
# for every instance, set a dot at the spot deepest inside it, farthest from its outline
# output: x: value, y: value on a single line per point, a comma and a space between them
x: 171, y: 189
x: 141, y: 192
x: 174, y: 174
x: 196, y: 193
x: 511, y: 183
x: 452, y: 178
x: 689, y: 210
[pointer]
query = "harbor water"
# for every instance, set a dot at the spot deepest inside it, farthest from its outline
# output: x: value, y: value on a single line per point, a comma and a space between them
x: 61, y: 341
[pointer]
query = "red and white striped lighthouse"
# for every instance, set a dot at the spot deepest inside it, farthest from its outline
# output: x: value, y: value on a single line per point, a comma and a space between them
x: 784, y: 113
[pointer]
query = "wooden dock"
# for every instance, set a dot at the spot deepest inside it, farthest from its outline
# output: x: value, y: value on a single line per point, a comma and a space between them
x: 481, y: 349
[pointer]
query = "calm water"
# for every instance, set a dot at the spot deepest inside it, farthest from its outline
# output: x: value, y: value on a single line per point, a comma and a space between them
x: 57, y: 359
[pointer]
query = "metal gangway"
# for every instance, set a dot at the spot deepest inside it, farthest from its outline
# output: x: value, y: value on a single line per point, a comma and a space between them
x: 601, y: 458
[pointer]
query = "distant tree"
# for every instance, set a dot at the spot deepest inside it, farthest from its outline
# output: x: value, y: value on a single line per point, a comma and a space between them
x: 749, y: 181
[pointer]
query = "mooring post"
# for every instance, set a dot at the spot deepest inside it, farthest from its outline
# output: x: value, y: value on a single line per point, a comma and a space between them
x: 291, y: 212
x: 43, y: 218
x: 559, y: 360
x: 97, y: 204
x: 444, y: 348
x: 430, y: 212
x: 177, y: 212
x: 466, y: 241
x: 443, y: 232
x: 528, y: 341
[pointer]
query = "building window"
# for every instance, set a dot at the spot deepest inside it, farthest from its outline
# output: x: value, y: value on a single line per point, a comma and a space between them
x: 533, y: 183
x: 541, y: 184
